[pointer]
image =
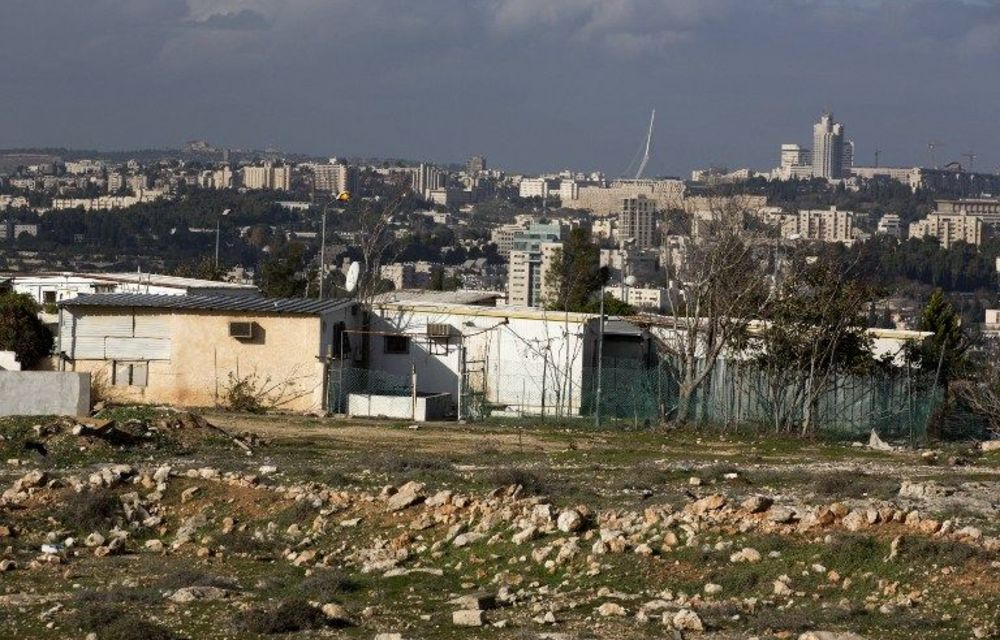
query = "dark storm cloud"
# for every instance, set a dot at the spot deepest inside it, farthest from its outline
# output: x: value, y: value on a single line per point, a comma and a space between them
x: 534, y: 84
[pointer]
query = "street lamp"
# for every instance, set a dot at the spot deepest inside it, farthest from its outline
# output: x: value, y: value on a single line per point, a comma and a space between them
x: 343, y: 196
x: 218, y: 226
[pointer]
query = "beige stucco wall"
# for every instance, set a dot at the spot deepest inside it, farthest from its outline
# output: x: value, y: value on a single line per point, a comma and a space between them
x: 203, y: 356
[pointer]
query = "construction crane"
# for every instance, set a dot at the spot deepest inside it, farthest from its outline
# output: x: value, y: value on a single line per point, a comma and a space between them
x: 649, y: 143
x: 971, y: 157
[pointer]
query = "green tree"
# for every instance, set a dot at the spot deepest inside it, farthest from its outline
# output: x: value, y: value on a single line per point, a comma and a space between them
x: 21, y: 331
x: 575, y: 274
x: 944, y: 352
x: 281, y: 272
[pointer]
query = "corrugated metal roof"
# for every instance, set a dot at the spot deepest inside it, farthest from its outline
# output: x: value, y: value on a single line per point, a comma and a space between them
x: 302, y: 306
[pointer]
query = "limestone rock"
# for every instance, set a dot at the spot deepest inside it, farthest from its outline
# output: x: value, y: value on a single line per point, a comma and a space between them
x: 709, y: 503
x: 747, y: 554
x: 757, y: 504
x: 190, y: 594
x: 611, y: 609
x: 569, y: 521
x: 686, y: 620
x: 468, y: 618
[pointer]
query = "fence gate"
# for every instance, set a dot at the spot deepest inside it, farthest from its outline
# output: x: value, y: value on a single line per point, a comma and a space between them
x: 472, y: 404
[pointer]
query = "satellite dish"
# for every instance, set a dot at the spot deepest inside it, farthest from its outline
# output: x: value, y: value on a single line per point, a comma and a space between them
x: 353, y: 273
x: 630, y: 281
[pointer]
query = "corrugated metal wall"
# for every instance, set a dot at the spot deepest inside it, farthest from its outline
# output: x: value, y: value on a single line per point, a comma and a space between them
x: 120, y: 336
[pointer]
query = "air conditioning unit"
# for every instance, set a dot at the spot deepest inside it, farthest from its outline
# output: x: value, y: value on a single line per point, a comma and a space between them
x: 241, y: 330
x: 438, y: 330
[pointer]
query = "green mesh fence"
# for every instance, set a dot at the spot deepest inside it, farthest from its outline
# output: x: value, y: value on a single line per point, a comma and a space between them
x: 897, y: 404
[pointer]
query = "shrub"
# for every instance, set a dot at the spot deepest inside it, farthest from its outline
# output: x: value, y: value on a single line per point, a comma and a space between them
x: 294, y: 614
x: 854, y: 485
x: 114, y: 623
x: 326, y: 586
x: 531, y: 483
x: 92, y: 509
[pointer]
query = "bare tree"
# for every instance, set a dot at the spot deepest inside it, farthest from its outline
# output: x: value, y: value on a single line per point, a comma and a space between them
x: 721, y: 285
x: 982, y: 394
x: 374, y: 240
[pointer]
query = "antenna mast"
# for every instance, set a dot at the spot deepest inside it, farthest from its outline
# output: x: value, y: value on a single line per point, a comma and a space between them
x: 649, y: 142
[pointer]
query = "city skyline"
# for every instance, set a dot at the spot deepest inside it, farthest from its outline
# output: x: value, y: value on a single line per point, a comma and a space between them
x: 532, y: 86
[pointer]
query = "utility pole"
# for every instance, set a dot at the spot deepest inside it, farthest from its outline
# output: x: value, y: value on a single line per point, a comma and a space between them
x: 600, y: 363
x: 218, y: 229
x: 322, y: 253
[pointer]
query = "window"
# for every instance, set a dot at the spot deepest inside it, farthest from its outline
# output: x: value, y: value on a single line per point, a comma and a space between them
x: 397, y: 344
x: 130, y: 374
x: 49, y: 297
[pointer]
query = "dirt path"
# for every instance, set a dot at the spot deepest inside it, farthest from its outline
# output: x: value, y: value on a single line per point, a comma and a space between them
x: 438, y: 437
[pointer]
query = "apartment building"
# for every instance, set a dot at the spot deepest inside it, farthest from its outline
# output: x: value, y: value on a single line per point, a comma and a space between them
x: 637, y: 220
x: 278, y: 178
x: 949, y: 228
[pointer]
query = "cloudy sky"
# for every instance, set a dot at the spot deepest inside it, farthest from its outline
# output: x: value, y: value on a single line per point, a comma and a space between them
x: 532, y: 84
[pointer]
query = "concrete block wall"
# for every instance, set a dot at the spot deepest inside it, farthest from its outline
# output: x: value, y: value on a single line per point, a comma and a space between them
x: 40, y: 393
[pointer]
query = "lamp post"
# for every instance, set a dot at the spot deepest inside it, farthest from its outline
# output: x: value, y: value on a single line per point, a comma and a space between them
x: 600, y: 362
x: 322, y: 252
x: 218, y: 228
x: 342, y: 196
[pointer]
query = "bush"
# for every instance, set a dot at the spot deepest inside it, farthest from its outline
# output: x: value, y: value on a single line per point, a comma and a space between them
x: 92, y: 509
x: 194, y: 578
x: 854, y: 485
x: 941, y: 552
x: 294, y: 614
x: 326, y: 586
x: 113, y: 623
x: 21, y: 331
x: 531, y: 483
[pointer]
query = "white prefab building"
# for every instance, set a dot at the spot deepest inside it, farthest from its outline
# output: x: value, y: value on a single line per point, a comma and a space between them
x: 51, y: 288
x: 517, y: 359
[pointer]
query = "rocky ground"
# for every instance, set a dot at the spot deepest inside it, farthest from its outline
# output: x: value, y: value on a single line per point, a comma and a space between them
x: 156, y: 524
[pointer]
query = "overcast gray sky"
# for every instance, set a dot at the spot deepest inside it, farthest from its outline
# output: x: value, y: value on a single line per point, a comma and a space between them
x: 532, y: 84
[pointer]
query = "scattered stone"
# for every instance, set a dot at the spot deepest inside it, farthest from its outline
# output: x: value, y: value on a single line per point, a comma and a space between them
x: 782, y: 515
x: 190, y: 594
x: 685, y: 620
x: 612, y: 610
x: 7, y: 565
x: 757, y: 504
x: 747, y: 554
x: 830, y: 635
x: 478, y: 601
x: 712, y: 589
x: 335, y: 614
x: 189, y: 493
x: 709, y: 503
x: 569, y: 521
x: 406, y: 496
x: 95, y: 539
x: 468, y: 618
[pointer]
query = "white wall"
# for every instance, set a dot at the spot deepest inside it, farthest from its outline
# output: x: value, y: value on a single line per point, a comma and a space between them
x: 513, y: 357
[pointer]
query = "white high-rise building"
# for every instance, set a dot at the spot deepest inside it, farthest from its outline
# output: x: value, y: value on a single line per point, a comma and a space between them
x: 637, y: 219
x: 828, y: 148
x: 332, y: 178
x: 268, y: 177
x: 427, y: 178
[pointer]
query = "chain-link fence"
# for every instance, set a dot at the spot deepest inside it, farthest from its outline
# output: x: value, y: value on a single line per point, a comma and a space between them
x: 372, y: 392
x: 896, y: 403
